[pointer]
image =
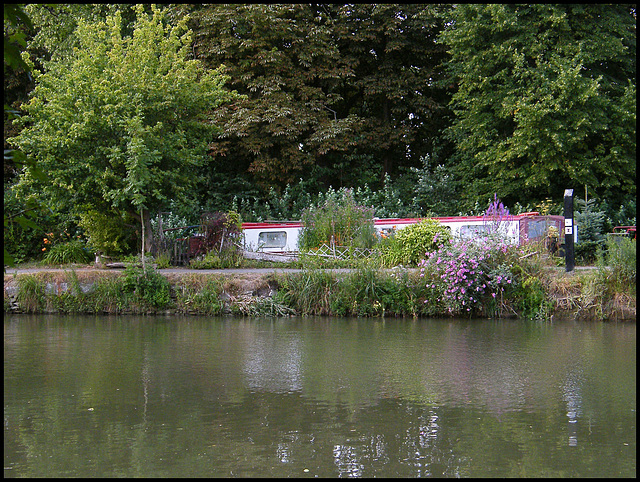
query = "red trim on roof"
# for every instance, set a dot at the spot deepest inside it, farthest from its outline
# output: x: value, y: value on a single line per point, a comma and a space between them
x: 298, y: 224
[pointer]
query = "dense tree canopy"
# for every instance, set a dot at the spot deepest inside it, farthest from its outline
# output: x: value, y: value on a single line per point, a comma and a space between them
x: 345, y: 93
x: 545, y: 100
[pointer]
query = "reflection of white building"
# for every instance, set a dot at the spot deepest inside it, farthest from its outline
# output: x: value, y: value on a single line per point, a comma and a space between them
x: 273, y: 363
x: 571, y: 395
x: 346, y: 459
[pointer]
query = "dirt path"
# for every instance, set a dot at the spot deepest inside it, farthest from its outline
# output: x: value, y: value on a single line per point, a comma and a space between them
x: 179, y: 271
x: 17, y: 271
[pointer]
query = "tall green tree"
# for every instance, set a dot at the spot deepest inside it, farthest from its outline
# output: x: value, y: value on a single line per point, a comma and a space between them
x: 119, y: 125
x: 281, y: 57
x: 16, y: 24
x: 546, y: 99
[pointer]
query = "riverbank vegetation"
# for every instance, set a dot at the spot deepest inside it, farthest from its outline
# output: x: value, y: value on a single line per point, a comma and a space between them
x: 481, y: 280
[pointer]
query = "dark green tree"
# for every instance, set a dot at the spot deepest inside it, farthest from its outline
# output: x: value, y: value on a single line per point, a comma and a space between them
x: 546, y: 100
x: 18, y: 217
x: 396, y: 87
x: 341, y: 94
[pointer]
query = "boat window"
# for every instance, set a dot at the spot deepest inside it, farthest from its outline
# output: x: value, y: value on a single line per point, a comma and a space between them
x: 469, y: 231
x: 272, y: 239
x: 536, y: 229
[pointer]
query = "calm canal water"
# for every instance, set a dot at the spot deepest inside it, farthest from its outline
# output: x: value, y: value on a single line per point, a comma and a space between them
x: 303, y: 397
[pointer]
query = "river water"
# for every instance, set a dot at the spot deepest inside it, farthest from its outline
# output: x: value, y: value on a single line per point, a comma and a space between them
x: 103, y: 396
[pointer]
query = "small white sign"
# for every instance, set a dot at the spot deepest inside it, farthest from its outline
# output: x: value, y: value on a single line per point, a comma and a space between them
x: 568, y: 230
x: 568, y: 222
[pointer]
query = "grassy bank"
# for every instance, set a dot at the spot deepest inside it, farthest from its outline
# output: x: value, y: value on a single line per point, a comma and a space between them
x: 536, y: 292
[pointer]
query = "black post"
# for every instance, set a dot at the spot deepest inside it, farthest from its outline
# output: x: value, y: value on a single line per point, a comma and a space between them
x: 569, y: 226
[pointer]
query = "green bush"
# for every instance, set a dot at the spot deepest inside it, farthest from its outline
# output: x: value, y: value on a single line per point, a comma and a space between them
x: 373, y: 292
x: 149, y: 288
x: 217, y: 260
x: 409, y: 245
x: 309, y: 292
x: 532, y: 298
x: 339, y: 218
x: 620, y: 256
x: 163, y: 260
x: 107, y: 296
x: 74, y: 251
x: 111, y: 233
x: 197, y: 294
x: 586, y: 252
x: 31, y: 294
x: 471, y: 276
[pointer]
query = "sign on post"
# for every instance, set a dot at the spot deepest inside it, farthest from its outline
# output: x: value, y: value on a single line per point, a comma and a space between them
x: 569, y: 251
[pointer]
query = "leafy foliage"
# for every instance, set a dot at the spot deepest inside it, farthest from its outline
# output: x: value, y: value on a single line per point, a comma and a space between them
x: 589, y: 219
x: 435, y: 188
x: 590, y: 222
x: 329, y: 87
x: 620, y: 256
x: 534, y: 99
x: 337, y: 219
x: 222, y: 232
x: 409, y: 245
x: 469, y: 276
x: 31, y: 294
x: 118, y: 124
x: 110, y: 232
x: 74, y: 251
x: 546, y: 98
x: 148, y: 288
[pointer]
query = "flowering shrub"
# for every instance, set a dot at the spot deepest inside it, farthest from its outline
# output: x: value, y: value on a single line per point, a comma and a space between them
x: 64, y: 249
x: 469, y: 276
x: 495, y: 214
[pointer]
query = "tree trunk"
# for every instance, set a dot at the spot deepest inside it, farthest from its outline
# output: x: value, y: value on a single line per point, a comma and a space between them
x: 143, y: 217
x: 148, y: 234
x: 386, y: 120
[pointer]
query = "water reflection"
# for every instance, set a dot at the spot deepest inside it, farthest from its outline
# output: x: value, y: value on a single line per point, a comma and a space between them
x: 571, y: 395
x: 290, y: 397
x: 273, y: 363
